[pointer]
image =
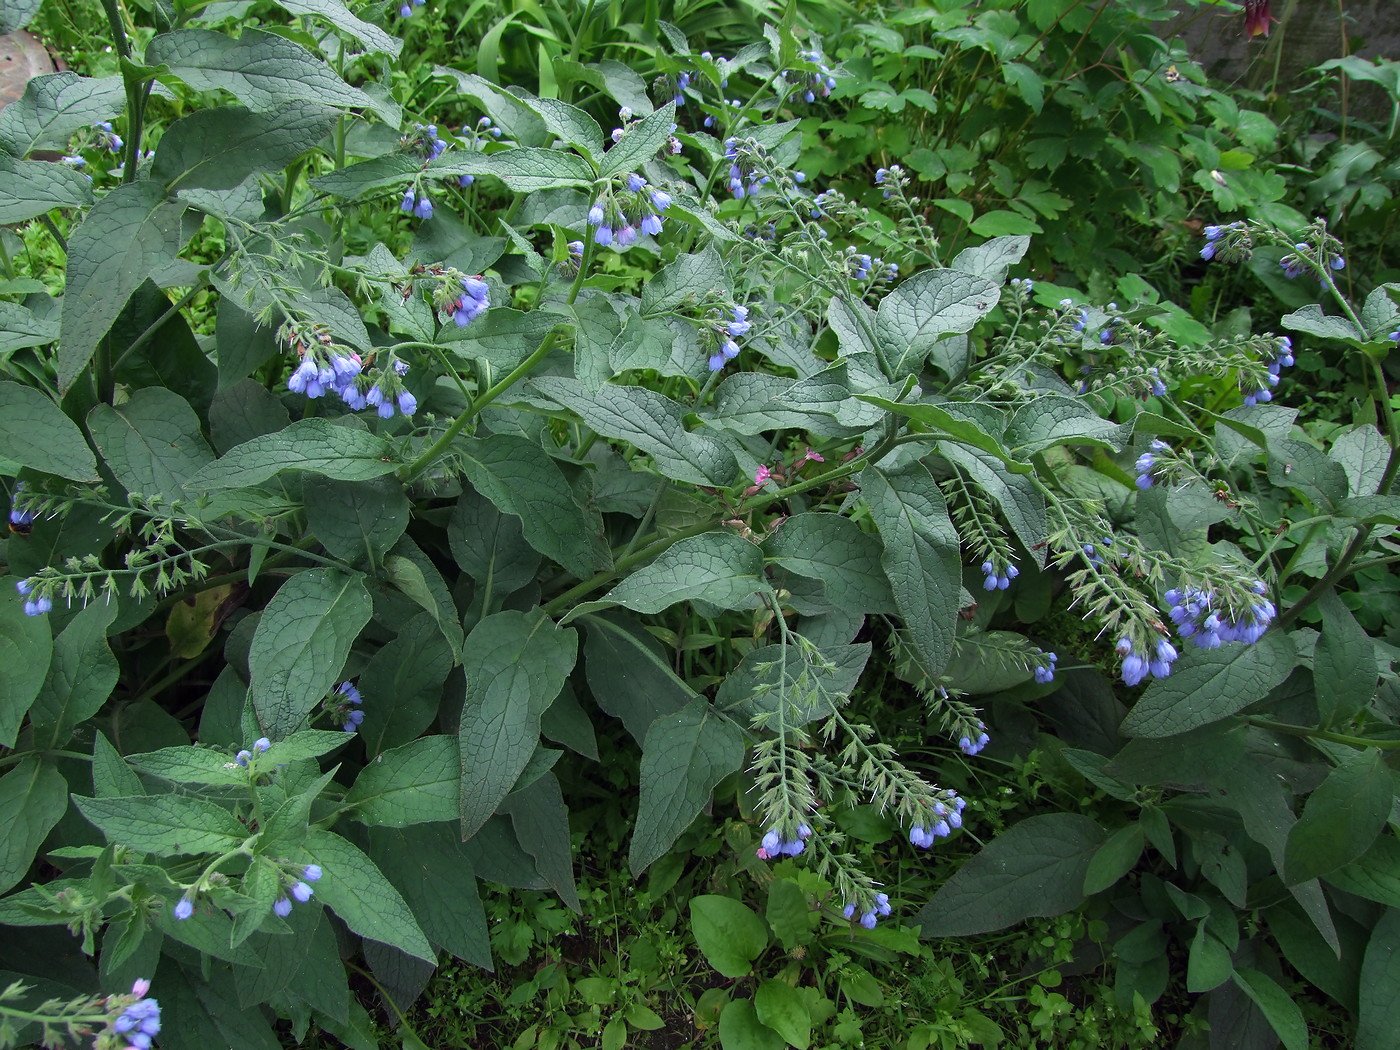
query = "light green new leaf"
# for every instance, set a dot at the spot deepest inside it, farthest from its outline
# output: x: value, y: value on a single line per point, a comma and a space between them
x: 641, y: 143
x: 129, y: 234
x: 1034, y: 868
x: 32, y: 187
x: 1207, y: 685
x: 1341, y: 819
x: 261, y: 70
x: 683, y: 757
x: 716, y: 567
x: 81, y: 676
x: 37, y: 434
x: 729, y: 933
x: 515, y: 665
x: 652, y: 422
x: 152, y: 442
x: 353, y: 887
x: 782, y: 1008
x: 520, y: 479
x: 53, y: 107
x: 26, y: 648
x: 835, y: 550
x: 739, y: 1026
x: 413, y: 784
x: 301, y: 643
x: 216, y: 149
x: 921, y: 557
x: 319, y: 445
x: 923, y: 309
x: 33, y: 796
x: 166, y: 825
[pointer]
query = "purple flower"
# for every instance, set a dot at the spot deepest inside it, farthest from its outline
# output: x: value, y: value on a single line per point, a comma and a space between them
x: 282, y: 907
x: 408, y: 404
x: 184, y: 909
x: 301, y: 891
x: 635, y: 183
x: 311, y: 873
x: 424, y: 208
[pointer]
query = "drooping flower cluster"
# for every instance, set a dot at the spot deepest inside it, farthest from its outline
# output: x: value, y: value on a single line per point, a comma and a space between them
x: 1283, y: 359
x: 1229, y: 243
x: 946, y: 815
x: 998, y: 577
x: 1149, y: 463
x: 107, y: 138
x: 21, y: 518
x: 473, y: 302
x: 1044, y: 672
x: 776, y: 844
x: 139, y: 1022
x: 745, y: 176
x: 296, y: 889
x: 36, y: 604
x: 1156, y: 659
x: 779, y: 473
x: 406, y: 10
x: 624, y: 211
x: 344, y: 707
x: 1196, y: 617
x: 812, y: 84
x: 725, y: 331
x: 970, y: 745
x: 260, y: 746
x: 880, y: 906
x: 475, y: 138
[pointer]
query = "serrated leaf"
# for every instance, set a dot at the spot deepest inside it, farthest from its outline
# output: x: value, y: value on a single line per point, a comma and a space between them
x: 353, y: 887
x: 683, y: 757
x: 37, y: 434
x: 923, y: 309
x: 53, y: 107
x: 1207, y: 685
x: 317, y: 445
x: 126, y: 236
x: 728, y: 932
x: 153, y: 442
x: 33, y: 797
x: 81, y: 676
x: 650, y: 421
x: 921, y: 555
x: 715, y: 567
x: 32, y: 187
x: 413, y: 784
x: 642, y: 142
x: 520, y: 479
x: 1034, y: 868
x: 216, y: 149
x: 300, y: 645
x: 515, y: 666
x: 261, y: 70
x: 166, y: 825
x: 1341, y: 818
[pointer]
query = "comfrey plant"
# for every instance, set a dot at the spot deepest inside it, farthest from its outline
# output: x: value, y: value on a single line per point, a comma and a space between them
x: 601, y: 415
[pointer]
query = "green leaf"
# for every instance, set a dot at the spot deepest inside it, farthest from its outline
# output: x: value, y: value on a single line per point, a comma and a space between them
x: 191, y: 765
x: 429, y: 866
x: 413, y: 573
x: 32, y: 187
x: 524, y: 169
x: 991, y: 259
x: 33, y: 796
x: 1055, y: 420
x: 956, y: 428
x: 923, y: 309
x: 37, y: 434
x: 1208, y: 965
x: 1003, y: 223
x: 740, y: 1029
x: 1344, y: 663
x: 357, y: 891
x: 1277, y: 1006
x: 729, y: 934
x: 1298, y: 465
x: 356, y: 521
x: 26, y: 649
x: 321, y: 446
x: 216, y: 149
x: 413, y: 784
x: 53, y: 107
x: 1207, y: 685
x: 21, y: 327
x: 1342, y: 817
x: 1312, y: 320
x: 521, y: 479
x: 570, y: 124
x: 683, y: 757
x: 687, y: 280
x: 836, y: 551
x: 629, y: 675
x: 1034, y: 868
x: 715, y: 567
x: 1378, y: 1018
x: 642, y: 142
x: 515, y: 663
x: 81, y: 676
x: 1114, y: 859
x: 650, y: 421
x: 129, y: 234
x: 369, y: 178
x: 921, y: 556
x: 166, y: 825
x: 411, y: 669
x: 337, y: 16
x: 153, y: 442
x: 261, y: 70
x: 1375, y: 875
x: 301, y: 643
x: 1021, y: 503
x: 490, y: 547
x: 768, y: 679
x: 782, y: 1008
x: 541, y: 822
x: 1361, y: 451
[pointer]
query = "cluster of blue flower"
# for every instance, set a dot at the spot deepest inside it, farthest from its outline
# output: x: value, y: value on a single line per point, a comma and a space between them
x: 872, y: 915
x: 619, y: 216
x: 1137, y: 664
x: 774, y: 845
x: 1282, y: 359
x: 261, y: 745
x: 970, y: 745
x: 348, y: 708
x: 998, y: 579
x: 1147, y: 463
x: 474, y: 301
x: 1295, y: 263
x: 282, y: 907
x: 725, y: 332
x: 33, y: 606
x: 744, y: 178
x: 1044, y: 673
x: 822, y: 82
x: 1195, y: 618
x: 407, y: 9
x: 947, y: 815
x: 139, y: 1022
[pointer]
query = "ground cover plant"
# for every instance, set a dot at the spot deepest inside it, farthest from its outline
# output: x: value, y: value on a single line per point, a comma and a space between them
x: 402, y: 454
